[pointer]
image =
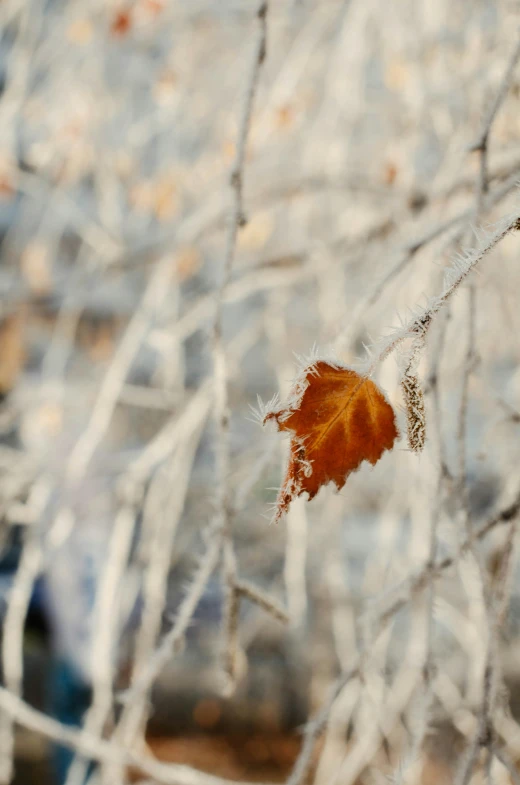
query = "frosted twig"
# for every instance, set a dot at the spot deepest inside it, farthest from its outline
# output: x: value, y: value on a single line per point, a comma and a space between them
x: 468, y: 367
x: 454, y: 277
x: 504, y: 577
x: 315, y: 728
x: 220, y: 372
x: 434, y: 389
x: 415, y: 246
x: 232, y: 652
x: 106, y: 634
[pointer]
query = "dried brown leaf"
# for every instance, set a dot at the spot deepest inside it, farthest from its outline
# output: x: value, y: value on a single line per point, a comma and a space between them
x: 337, y: 419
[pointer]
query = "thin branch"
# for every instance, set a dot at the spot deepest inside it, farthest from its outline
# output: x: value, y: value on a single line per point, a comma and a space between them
x: 220, y: 370
x: 481, y: 142
x: 315, y: 728
x: 251, y: 592
x: 455, y: 275
x: 106, y: 635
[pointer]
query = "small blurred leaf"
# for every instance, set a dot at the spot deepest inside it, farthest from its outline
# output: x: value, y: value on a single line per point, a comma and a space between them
x: 397, y: 74
x: 7, y: 179
x: 121, y: 23
x: 187, y: 263
x: 153, y: 7
x: 389, y: 173
x: 256, y: 232
x: 80, y: 32
x: 35, y: 267
x: 12, y: 351
x: 165, y: 198
x: 165, y: 87
x: 285, y: 117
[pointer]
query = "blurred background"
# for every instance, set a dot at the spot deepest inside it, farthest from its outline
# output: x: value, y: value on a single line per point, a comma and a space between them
x: 118, y: 131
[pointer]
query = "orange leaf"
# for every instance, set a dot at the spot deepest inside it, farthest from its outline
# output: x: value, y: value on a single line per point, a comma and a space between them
x: 337, y: 419
x: 121, y: 23
x: 12, y: 351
